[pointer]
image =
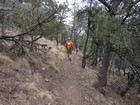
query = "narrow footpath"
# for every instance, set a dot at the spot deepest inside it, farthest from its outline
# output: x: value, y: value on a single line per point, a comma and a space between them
x: 70, y: 85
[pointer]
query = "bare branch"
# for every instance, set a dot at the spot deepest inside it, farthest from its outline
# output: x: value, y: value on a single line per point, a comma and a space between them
x: 106, y: 4
x: 35, y: 40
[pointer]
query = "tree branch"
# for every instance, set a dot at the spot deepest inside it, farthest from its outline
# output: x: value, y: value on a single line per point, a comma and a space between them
x: 129, y: 8
x: 106, y: 4
x: 48, y: 19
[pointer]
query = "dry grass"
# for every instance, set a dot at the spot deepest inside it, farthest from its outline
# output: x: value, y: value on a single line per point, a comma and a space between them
x: 6, y: 60
x: 53, y: 66
x: 46, y: 41
x: 28, y: 86
x: 35, y: 62
x: 45, y: 94
x: 23, y: 62
x: 37, y: 76
x: 54, y: 49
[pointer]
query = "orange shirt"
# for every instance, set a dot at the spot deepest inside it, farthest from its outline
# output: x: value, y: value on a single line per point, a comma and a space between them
x: 72, y: 45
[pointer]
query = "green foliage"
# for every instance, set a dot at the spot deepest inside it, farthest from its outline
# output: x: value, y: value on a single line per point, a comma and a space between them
x: 22, y: 18
x: 124, y: 37
x: 25, y: 18
x: 17, y: 11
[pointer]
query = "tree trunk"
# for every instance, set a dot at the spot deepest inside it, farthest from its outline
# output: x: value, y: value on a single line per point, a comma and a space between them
x: 57, y: 41
x: 88, y: 29
x: 104, y: 68
x: 112, y: 9
x: 85, y: 47
x: 94, y: 62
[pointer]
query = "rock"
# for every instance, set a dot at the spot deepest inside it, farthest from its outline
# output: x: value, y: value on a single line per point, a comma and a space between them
x: 43, y: 68
x: 46, y: 80
x: 16, y: 95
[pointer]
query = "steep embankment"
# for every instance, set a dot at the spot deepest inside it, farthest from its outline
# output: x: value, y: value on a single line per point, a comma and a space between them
x: 49, y: 78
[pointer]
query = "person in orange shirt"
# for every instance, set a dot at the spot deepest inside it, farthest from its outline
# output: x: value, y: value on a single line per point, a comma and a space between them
x: 69, y: 47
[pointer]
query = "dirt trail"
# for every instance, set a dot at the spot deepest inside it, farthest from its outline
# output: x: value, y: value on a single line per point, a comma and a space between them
x: 70, y: 88
x: 51, y: 79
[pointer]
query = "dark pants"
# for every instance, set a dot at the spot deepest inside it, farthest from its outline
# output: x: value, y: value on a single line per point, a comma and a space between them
x: 69, y: 52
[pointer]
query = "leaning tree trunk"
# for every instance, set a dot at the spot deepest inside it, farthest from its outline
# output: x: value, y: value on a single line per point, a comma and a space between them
x: 104, y: 68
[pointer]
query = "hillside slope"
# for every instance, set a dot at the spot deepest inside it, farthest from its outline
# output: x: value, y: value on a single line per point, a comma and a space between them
x: 49, y: 78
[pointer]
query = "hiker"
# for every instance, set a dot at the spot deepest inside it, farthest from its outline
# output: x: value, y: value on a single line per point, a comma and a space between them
x: 65, y: 39
x: 69, y: 47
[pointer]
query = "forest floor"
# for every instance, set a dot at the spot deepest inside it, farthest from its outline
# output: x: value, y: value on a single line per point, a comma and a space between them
x: 49, y: 78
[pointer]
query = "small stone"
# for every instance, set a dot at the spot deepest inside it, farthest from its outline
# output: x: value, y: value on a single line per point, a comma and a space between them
x: 15, y: 96
x: 43, y: 68
x: 46, y: 80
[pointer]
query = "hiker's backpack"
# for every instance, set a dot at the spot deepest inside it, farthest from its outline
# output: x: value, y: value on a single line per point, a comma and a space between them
x: 68, y: 45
